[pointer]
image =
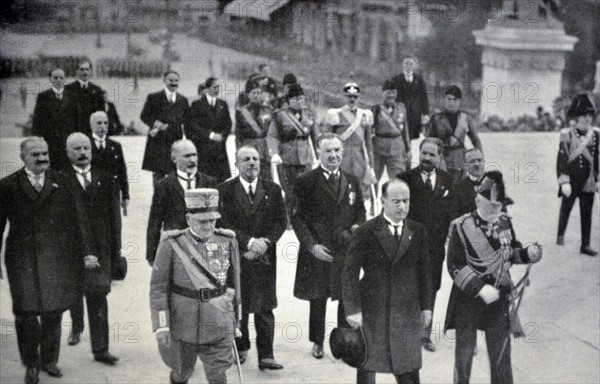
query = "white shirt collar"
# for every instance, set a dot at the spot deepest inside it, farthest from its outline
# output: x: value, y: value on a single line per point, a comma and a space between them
x: 82, y: 170
x: 246, y: 184
x: 211, y: 99
x: 82, y: 83
x: 185, y: 175
x: 328, y: 172
x: 473, y: 178
x: 58, y: 91
x: 409, y: 76
x: 400, y: 224
x: 432, y: 174
x: 32, y: 176
x: 97, y: 138
x: 169, y: 93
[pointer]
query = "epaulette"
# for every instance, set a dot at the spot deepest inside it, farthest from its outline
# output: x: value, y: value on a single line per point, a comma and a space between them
x: 224, y: 232
x: 172, y: 233
x: 460, y: 219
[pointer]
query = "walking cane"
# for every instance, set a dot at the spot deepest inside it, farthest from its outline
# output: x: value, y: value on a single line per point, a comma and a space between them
x: 237, y: 362
x: 275, y: 177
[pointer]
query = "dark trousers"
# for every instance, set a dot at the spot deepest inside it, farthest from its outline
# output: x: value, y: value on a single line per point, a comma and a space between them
x: 495, y: 336
x: 97, y: 307
x: 264, y: 322
x: 586, y: 202
x: 287, y: 176
x: 426, y: 331
x: 368, y: 377
x: 316, y: 323
x: 39, y: 338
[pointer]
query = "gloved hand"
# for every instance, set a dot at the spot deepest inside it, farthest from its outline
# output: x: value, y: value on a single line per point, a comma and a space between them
x: 489, y: 294
x: 534, y: 252
x: 164, y: 338
x: 565, y: 189
x: 355, y: 320
x: 322, y: 253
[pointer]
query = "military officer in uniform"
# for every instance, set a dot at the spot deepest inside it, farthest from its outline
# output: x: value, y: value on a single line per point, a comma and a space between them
x: 391, y: 143
x: 577, y: 170
x: 191, y: 295
x: 451, y: 126
x: 481, y: 249
x: 252, y: 122
x: 291, y: 137
x: 354, y: 125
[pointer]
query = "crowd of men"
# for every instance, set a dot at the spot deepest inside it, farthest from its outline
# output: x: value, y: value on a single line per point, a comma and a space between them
x: 211, y: 238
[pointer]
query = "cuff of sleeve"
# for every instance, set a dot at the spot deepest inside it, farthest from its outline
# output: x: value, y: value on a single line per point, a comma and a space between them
x: 252, y: 240
x: 211, y: 135
x: 162, y: 329
x: 563, y: 179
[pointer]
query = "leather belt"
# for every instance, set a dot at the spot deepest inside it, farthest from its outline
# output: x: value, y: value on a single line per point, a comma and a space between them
x: 387, y: 136
x: 203, y: 295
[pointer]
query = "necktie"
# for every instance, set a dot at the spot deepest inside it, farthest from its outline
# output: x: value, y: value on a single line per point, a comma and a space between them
x: 36, y: 183
x: 251, y: 193
x: 173, y: 98
x: 86, y: 181
x: 396, y: 231
x: 58, y: 96
x: 188, y: 180
x: 333, y: 181
x: 85, y: 86
x: 100, y: 144
x: 428, y: 182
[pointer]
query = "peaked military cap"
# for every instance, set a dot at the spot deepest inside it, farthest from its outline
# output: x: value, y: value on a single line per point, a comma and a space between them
x: 202, y: 203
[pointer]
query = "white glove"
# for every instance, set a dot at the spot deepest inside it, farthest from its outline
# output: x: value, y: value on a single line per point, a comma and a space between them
x: 322, y: 253
x: 565, y: 189
x: 276, y: 159
x: 355, y: 320
x: 534, y: 252
x: 489, y: 294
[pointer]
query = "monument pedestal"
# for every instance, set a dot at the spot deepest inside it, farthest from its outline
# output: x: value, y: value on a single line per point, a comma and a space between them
x: 522, y: 65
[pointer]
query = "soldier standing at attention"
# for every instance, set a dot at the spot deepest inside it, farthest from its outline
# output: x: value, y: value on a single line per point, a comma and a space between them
x: 577, y: 170
x: 291, y: 137
x: 191, y: 295
x: 391, y: 144
x: 451, y: 126
x: 252, y: 122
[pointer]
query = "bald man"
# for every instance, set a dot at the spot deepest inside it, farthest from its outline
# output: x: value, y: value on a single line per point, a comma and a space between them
x: 99, y: 194
x: 107, y: 155
x: 167, y: 211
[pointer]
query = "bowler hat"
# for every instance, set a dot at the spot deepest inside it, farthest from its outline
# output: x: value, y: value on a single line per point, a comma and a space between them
x: 289, y: 78
x: 119, y: 268
x: 454, y: 90
x: 349, y: 345
x: 388, y: 85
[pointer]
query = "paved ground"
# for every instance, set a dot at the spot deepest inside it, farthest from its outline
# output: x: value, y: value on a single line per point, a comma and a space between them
x: 560, y: 311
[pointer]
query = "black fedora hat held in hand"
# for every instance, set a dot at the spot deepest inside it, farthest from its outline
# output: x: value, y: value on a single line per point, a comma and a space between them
x: 349, y: 345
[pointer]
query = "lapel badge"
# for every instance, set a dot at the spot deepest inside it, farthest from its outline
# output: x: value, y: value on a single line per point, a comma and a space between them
x: 54, y: 185
x: 352, y: 197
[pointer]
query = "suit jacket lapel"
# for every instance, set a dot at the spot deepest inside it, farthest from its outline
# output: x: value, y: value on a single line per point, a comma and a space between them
x: 258, y: 196
x: 47, y: 189
x: 322, y: 182
x: 177, y: 187
x: 27, y: 187
x: 343, y: 187
x: 242, y: 198
x: 385, y: 238
x: 405, y: 239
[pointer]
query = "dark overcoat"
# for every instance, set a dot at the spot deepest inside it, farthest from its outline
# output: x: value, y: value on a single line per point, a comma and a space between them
x: 101, y: 201
x: 395, y: 289
x: 322, y: 217
x: 414, y: 96
x: 157, y: 155
x: 54, y: 120
x: 432, y: 209
x: 46, y: 242
x: 202, y: 120
x: 86, y: 102
x: 266, y: 217
x: 167, y: 210
x: 112, y: 161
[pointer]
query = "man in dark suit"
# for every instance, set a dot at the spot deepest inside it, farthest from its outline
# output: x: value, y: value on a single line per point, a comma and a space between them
x: 167, y: 211
x: 53, y: 118
x: 164, y: 113
x: 329, y: 207
x: 115, y: 127
x: 87, y: 97
x: 208, y: 125
x: 463, y: 192
x: 577, y: 170
x: 107, y: 155
x: 412, y: 92
x: 430, y: 206
x: 254, y: 209
x: 397, y: 284
x: 100, y: 195
x: 46, y: 247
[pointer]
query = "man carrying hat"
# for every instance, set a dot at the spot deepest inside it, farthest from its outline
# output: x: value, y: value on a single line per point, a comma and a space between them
x: 394, y: 297
x: 252, y: 121
x: 391, y: 144
x: 354, y: 125
x: 451, y: 126
x: 291, y: 137
x: 481, y: 249
x: 577, y: 169
x: 194, y: 287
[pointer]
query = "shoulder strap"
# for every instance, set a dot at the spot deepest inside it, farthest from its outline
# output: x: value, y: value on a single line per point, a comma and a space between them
x: 250, y: 120
x: 389, y: 119
x: 293, y: 121
x: 199, y: 278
